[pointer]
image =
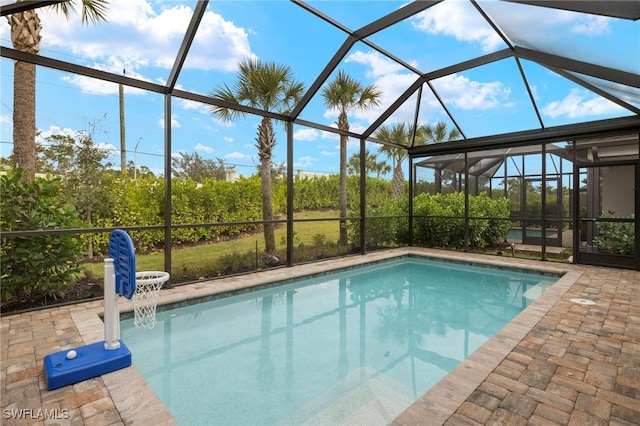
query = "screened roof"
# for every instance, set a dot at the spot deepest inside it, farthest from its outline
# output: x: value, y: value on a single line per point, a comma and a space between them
x: 500, y: 72
x: 485, y: 163
x: 489, y: 162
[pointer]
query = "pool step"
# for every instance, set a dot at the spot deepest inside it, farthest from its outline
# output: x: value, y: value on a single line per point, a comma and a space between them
x: 376, y: 401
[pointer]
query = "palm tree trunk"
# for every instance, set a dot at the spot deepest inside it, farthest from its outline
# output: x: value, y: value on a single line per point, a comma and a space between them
x: 24, y: 118
x: 398, y: 180
x: 266, y: 142
x: 343, y: 124
x: 25, y: 36
x: 438, y: 181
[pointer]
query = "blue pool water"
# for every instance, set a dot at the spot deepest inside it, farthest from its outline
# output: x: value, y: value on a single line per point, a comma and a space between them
x: 353, y: 347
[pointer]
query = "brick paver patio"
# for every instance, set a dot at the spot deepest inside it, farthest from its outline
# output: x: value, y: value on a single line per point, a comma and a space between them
x: 559, y: 362
x: 580, y: 365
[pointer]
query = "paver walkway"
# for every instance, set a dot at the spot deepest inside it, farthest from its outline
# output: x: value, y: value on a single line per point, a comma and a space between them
x: 579, y: 365
x: 574, y: 364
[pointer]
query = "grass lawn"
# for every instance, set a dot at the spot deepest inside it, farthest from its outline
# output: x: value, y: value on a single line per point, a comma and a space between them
x: 203, y: 257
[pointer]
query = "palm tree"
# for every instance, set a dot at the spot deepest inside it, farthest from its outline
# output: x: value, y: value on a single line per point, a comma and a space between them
x: 345, y: 93
x: 25, y: 36
x: 371, y: 163
x: 403, y: 134
x: 400, y: 134
x: 436, y: 134
x: 269, y: 87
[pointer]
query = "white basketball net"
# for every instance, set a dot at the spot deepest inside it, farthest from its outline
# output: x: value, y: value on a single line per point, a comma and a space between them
x: 145, y: 298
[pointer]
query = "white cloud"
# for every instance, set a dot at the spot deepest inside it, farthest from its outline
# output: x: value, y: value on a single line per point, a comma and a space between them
x: 195, y: 106
x: 534, y: 91
x: 537, y: 27
x: 107, y: 147
x: 468, y: 94
x: 578, y: 103
x: 391, y: 79
x: 330, y: 135
x: 303, y: 162
x: 137, y: 34
x: 238, y: 156
x: 591, y: 25
x: 357, y: 128
x: 203, y: 148
x: 219, y: 44
x: 228, y: 139
x: 306, y: 134
x: 75, y: 134
x: 174, y: 122
x: 460, y: 20
x: 101, y: 87
x: 55, y: 130
x: 380, y: 65
x: 327, y: 153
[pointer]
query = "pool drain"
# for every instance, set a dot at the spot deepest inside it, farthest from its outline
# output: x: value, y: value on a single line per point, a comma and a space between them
x: 583, y: 301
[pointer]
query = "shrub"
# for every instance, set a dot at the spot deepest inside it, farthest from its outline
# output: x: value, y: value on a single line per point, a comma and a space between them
x: 439, y: 220
x: 32, y: 267
x: 616, y: 237
x: 384, y: 231
x: 495, y: 227
x: 434, y: 224
x: 136, y: 202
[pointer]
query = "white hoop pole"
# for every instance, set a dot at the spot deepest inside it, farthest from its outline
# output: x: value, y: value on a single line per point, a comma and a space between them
x: 111, y: 312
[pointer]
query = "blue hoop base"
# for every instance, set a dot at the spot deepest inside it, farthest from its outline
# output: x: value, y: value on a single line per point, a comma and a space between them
x: 91, y: 361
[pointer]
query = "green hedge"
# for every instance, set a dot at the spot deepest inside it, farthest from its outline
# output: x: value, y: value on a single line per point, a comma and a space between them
x: 386, y: 231
x: 439, y: 221
x: 32, y: 267
x: 140, y: 202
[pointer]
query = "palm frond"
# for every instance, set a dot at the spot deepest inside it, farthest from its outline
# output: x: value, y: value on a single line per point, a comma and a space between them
x: 91, y: 11
x: 438, y: 133
x: 369, y: 97
x: 398, y: 133
x: 94, y: 11
x: 266, y: 85
x: 345, y: 93
x: 224, y: 93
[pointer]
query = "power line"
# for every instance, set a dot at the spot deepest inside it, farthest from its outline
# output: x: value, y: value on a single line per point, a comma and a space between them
x: 7, y: 107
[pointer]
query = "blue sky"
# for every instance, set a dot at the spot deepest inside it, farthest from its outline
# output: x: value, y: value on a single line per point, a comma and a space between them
x: 143, y: 37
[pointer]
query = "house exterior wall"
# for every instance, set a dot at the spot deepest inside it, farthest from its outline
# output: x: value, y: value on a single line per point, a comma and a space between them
x: 617, y: 190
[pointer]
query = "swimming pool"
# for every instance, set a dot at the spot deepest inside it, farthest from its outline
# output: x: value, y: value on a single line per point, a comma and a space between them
x: 357, y: 346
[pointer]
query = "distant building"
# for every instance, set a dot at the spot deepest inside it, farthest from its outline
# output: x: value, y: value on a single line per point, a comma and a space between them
x: 303, y: 174
x: 231, y: 175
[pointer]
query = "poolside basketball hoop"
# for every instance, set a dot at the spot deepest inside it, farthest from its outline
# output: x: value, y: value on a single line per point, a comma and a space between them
x: 145, y: 298
x: 120, y: 279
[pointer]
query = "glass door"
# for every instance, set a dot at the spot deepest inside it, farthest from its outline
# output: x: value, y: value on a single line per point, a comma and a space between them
x: 536, y: 225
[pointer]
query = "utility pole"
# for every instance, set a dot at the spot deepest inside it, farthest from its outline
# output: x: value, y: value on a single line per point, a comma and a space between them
x: 135, y: 155
x: 123, y: 141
